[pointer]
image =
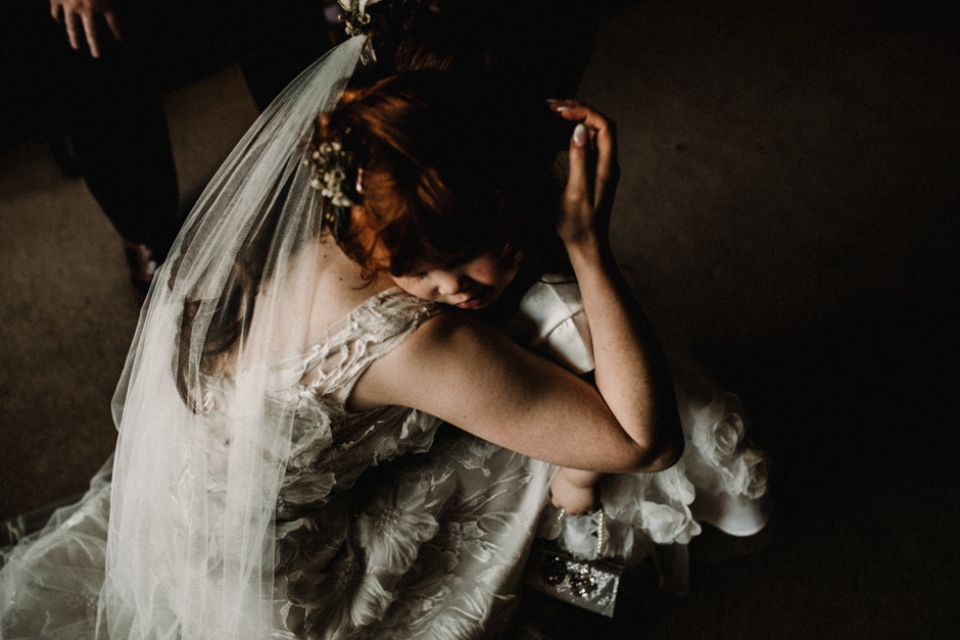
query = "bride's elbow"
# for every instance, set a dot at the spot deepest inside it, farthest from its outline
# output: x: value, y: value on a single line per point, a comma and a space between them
x: 660, y: 453
x: 665, y: 456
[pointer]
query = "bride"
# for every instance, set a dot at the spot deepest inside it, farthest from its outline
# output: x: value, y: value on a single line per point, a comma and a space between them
x: 317, y: 320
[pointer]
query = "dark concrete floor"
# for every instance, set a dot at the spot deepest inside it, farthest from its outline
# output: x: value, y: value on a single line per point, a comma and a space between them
x: 788, y: 209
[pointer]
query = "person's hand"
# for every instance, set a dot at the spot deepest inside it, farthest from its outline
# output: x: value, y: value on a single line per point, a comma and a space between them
x: 575, y: 491
x: 84, y: 12
x: 594, y: 172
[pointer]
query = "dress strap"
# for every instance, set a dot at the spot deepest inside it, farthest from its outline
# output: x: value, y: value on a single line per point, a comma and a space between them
x: 333, y: 365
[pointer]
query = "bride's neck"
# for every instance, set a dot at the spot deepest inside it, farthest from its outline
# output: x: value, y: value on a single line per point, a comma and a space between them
x: 319, y: 286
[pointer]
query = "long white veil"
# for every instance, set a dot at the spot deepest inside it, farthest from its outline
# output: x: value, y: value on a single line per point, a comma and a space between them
x: 201, y: 455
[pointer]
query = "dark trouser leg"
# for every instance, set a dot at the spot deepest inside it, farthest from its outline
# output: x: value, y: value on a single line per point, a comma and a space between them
x: 120, y: 135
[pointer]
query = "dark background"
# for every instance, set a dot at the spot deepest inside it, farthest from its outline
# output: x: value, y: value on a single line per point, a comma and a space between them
x: 788, y: 210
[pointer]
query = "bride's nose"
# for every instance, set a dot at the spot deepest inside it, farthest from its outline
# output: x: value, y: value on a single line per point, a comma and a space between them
x: 448, y: 284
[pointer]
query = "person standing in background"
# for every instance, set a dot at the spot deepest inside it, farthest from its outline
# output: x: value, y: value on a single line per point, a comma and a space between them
x: 106, y: 65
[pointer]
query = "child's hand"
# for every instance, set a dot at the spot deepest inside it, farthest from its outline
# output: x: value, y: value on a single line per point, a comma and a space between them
x: 575, y: 491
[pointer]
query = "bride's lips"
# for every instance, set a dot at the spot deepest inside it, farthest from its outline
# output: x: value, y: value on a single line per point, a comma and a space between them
x: 478, y: 299
x: 470, y: 304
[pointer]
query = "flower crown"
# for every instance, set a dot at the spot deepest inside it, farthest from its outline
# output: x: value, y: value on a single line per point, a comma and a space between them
x: 334, y: 167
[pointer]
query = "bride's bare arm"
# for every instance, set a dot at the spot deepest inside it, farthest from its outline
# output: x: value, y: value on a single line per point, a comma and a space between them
x: 631, y: 371
x: 471, y: 376
x: 468, y: 374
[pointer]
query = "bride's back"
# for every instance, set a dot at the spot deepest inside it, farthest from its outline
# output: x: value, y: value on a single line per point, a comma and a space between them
x: 319, y: 287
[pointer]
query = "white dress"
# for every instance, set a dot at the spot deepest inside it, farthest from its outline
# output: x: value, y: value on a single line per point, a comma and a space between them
x: 390, y: 528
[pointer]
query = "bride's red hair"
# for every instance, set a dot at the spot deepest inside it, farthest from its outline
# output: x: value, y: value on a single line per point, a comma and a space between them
x: 445, y: 171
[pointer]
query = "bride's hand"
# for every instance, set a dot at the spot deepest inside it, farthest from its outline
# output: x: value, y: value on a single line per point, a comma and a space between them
x: 575, y: 491
x: 594, y: 172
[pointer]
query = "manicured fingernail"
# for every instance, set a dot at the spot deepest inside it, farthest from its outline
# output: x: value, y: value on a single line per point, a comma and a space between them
x: 580, y: 135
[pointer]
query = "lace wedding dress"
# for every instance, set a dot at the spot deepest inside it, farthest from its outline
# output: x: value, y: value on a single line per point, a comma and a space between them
x: 378, y: 533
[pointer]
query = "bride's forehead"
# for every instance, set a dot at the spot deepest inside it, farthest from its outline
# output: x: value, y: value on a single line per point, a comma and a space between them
x: 480, y: 259
x: 432, y: 260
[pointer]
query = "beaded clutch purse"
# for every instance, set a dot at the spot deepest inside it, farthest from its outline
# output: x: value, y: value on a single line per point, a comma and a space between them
x: 588, y: 584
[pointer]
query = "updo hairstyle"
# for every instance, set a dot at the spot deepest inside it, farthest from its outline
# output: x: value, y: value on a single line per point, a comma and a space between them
x: 446, y: 168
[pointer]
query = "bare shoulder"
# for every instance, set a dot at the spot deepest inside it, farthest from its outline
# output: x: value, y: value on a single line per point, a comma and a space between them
x: 444, y: 348
x: 458, y: 368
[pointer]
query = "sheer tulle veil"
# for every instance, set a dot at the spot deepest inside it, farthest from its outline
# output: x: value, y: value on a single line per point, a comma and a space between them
x: 200, y: 456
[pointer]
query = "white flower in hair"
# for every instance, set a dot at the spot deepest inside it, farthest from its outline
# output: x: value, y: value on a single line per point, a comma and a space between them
x: 355, y: 15
x: 333, y: 166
